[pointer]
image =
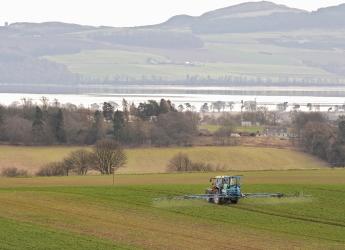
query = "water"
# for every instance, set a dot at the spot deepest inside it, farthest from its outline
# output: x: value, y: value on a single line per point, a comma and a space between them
x: 196, y: 96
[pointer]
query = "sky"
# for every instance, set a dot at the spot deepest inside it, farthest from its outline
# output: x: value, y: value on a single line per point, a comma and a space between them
x: 120, y: 13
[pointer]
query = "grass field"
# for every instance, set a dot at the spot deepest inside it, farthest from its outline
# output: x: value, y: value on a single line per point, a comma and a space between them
x: 155, y: 160
x: 248, y: 62
x: 249, y: 129
x: 88, y: 213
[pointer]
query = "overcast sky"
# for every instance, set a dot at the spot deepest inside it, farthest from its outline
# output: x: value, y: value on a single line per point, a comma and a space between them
x: 123, y: 12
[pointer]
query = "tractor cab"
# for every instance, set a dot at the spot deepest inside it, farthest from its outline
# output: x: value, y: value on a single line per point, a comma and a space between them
x: 226, y: 186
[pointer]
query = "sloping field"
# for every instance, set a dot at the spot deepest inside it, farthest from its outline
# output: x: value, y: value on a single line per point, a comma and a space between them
x: 91, y: 216
x: 155, y: 160
x: 259, y: 54
x: 247, y: 61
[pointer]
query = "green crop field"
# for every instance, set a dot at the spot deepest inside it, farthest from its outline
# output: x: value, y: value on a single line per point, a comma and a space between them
x: 89, y: 213
x: 155, y: 160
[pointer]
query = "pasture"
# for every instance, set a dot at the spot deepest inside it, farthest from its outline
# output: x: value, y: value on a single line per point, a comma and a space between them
x: 89, y: 213
x: 155, y: 160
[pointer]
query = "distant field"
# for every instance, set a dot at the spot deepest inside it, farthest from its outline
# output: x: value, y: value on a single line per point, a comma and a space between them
x: 234, y: 55
x: 252, y: 55
x: 250, y: 129
x: 154, y: 160
x: 88, y: 213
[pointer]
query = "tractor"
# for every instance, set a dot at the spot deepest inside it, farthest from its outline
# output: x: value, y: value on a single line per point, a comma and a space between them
x: 227, y: 189
x: 224, y: 189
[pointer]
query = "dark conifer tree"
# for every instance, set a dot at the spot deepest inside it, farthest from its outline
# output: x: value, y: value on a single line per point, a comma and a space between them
x: 38, y: 126
x: 108, y: 111
x: 118, y: 125
x: 57, y: 125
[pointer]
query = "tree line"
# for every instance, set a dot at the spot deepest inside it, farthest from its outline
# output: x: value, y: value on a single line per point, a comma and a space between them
x: 149, y: 123
x: 321, y: 137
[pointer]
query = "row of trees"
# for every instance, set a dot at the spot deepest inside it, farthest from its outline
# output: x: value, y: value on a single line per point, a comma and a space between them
x: 148, y: 123
x: 253, y: 106
x: 222, y: 79
x: 106, y: 157
x: 321, y: 137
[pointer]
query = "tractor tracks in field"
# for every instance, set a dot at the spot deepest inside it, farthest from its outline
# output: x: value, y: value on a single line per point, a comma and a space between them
x: 290, y: 216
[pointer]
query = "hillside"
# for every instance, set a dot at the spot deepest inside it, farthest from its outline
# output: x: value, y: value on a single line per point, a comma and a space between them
x: 261, y: 16
x: 259, y: 43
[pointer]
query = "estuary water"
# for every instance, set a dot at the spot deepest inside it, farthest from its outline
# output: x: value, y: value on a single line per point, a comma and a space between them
x: 322, y: 98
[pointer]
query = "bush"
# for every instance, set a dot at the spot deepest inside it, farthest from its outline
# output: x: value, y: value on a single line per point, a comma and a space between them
x: 53, y: 169
x: 79, y: 161
x: 14, y: 172
x: 223, y: 137
x: 202, y: 167
x: 182, y: 163
x: 179, y: 163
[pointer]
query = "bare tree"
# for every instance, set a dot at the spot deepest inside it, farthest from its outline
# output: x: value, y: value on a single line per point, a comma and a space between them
x: 223, y: 136
x: 45, y: 102
x: 56, y: 103
x: 80, y: 161
x: 109, y: 156
x: 18, y: 130
x: 231, y: 105
x: 219, y: 105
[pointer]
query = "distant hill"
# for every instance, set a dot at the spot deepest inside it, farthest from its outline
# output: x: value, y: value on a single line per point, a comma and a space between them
x: 260, y: 16
x: 48, y: 28
x: 256, y: 43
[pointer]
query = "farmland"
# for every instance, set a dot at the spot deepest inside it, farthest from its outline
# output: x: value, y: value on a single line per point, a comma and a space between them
x: 112, y: 63
x: 250, y: 129
x: 154, y: 160
x: 89, y: 213
x: 249, y: 54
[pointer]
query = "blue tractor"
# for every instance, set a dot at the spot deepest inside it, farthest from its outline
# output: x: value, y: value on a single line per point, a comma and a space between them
x: 227, y: 189
x: 224, y: 189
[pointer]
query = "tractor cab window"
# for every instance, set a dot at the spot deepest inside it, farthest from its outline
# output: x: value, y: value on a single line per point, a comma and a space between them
x: 234, y: 182
x: 219, y: 182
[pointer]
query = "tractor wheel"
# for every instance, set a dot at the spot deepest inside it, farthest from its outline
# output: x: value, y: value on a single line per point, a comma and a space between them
x: 233, y: 201
x: 209, y: 199
x: 217, y: 200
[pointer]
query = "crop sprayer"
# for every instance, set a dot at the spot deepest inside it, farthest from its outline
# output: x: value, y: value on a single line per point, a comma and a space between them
x: 227, y: 189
